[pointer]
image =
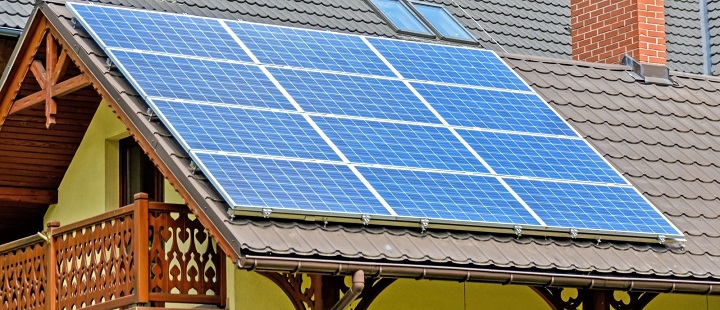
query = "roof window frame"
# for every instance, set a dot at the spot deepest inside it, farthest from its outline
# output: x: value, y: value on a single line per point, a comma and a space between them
x: 428, y: 23
x: 409, y: 5
x: 431, y: 31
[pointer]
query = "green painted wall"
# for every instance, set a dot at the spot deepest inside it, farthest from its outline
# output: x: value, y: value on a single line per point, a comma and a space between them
x: 253, y: 291
x: 90, y: 186
x: 683, y: 301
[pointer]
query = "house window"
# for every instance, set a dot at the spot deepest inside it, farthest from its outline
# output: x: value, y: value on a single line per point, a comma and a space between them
x: 422, y: 18
x: 138, y: 173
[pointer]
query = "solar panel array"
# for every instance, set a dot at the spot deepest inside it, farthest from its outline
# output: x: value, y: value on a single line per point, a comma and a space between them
x: 311, y: 122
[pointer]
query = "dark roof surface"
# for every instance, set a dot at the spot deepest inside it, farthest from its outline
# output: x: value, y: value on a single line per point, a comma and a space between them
x: 14, y: 13
x: 664, y: 139
x: 534, y: 27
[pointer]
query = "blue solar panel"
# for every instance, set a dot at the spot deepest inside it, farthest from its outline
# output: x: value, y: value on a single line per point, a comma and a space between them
x: 472, y: 107
x: 400, y: 145
x: 294, y: 185
x: 165, y: 33
x: 541, y: 157
x: 260, y: 151
x: 447, y: 196
x: 237, y: 130
x: 448, y: 64
x: 201, y: 80
x: 609, y: 208
x: 309, y: 49
x: 353, y: 96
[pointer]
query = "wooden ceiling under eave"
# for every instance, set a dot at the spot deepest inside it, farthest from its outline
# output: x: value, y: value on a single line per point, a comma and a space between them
x: 33, y: 156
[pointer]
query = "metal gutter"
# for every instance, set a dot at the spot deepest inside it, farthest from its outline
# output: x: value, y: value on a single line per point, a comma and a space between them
x: 470, y: 274
x: 705, y: 32
x: 10, y: 32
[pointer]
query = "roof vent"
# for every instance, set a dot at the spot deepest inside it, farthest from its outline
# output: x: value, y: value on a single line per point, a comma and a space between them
x: 648, y: 73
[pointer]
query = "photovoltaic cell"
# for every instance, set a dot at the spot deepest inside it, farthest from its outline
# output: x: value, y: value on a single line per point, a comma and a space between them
x: 448, y: 64
x: 541, y: 157
x: 447, y: 196
x: 237, y: 130
x: 608, y: 208
x: 472, y: 107
x: 353, y: 96
x: 400, y: 145
x: 302, y: 186
x: 201, y: 80
x: 164, y: 33
x: 309, y: 49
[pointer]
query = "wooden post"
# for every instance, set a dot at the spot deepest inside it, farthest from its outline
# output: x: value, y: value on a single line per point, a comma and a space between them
x: 51, y: 268
x: 141, y: 248
x: 222, y: 279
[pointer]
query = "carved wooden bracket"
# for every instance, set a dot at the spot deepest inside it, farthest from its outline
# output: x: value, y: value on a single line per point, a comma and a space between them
x: 553, y: 296
x: 323, y: 291
x: 638, y: 300
x: 48, y: 76
x: 593, y: 299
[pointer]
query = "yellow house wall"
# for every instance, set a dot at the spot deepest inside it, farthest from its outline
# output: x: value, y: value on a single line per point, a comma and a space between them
x: 90, y: 185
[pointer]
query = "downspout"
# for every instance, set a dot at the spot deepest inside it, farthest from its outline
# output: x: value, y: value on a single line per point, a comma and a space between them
x: 357, y: 287
x: 705, y: 32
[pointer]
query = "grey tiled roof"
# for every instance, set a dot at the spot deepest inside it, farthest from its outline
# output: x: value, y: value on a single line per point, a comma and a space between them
x: 683, y: 36
x: 663, y: 138
x: 14, y: 13
x: 535, y: 27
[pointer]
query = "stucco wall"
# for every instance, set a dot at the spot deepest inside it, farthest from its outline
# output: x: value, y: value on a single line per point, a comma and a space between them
x: 91, y: 184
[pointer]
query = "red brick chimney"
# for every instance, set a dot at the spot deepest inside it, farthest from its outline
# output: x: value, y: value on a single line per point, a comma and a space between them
x: 605, y: 30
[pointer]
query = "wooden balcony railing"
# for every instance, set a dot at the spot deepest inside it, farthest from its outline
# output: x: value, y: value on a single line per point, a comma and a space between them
x: 145, y: 254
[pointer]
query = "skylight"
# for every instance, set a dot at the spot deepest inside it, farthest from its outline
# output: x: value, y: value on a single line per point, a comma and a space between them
x: 442, y: 21
x: 422, y: 18
x: 401, y: 16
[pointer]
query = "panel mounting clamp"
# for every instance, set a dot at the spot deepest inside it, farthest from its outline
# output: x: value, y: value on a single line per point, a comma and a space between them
x: 152, y: 117
x: 109, y: 64
x: 193, y: 167
x: 573, y: 233
x: 661, y: 239
x: 424, y: 224
x: 231, y: 213
x: 365, y: 219
x: 518, y: 230
x: 266, y: 212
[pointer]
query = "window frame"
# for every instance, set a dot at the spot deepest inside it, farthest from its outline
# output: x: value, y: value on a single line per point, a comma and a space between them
x: 158, y: 193
x: 434, y: 32
x: 431, y: 31
x: 439, y: 34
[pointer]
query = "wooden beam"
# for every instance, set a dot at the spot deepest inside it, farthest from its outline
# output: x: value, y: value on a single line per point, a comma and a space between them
x: 38, y: 71
x: 65, y: 87
x: 61, y: 66
x: 15, y: 80
x: 50, y: 59
x: 29, y: 195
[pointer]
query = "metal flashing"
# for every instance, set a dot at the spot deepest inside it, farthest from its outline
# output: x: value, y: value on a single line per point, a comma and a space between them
x: 648, y: 73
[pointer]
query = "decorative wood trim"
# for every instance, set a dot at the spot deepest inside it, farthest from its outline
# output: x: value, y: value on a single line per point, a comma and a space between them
x: 291, y: 285
x: 638, y: 300
x: 553, y: 297
x: 15, y: 80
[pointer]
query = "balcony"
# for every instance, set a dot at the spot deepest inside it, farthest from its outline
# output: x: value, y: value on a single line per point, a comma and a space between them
x: 142, y: 255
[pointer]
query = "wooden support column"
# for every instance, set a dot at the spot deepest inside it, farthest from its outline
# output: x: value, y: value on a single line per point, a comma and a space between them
x: 51, y: 268
x: 141, y: 248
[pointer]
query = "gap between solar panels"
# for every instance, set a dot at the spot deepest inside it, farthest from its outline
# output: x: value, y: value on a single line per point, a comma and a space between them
x: 315, y: 125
